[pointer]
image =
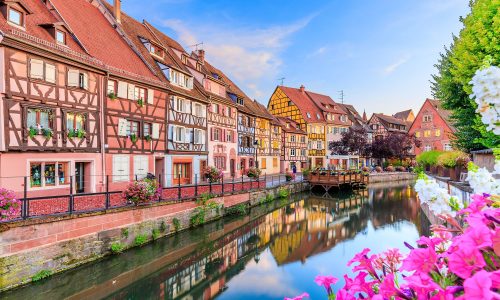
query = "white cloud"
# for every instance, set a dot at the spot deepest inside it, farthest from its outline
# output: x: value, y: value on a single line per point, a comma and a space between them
x: 394, y: 66
x: 319, y: 51
x: 246, y: 54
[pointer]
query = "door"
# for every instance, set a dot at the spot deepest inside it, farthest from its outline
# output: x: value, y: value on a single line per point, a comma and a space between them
x: 319, y: 162
x: 79, y: 177
x: 231, y: 167
x: 182, y: 173
x: 203, y: 167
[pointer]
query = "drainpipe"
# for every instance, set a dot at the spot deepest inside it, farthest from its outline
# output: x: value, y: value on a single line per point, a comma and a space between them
x: 103, y: 127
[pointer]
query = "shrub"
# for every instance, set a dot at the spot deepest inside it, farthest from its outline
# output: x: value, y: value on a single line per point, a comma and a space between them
x: 125, y: 232
x: 239, y: 209
x: 213, y: 174
x: 253, y: 172
x: 140, y: 239
x: 198, y: 216
x: 306, y: 172
x: 41, y: 275
x: 204, y: 198
x: 289, y: 176
x: 177, y: 224
x: 282, y: 193
x: 451, y: 159
x: 428, y: 158
x: 117, y: 247
x: 155, y: 234
x: 146, y: 190
x: 400, y: 169
x: 9, y: 205
x: 378, y: 169
x: 390, y: 169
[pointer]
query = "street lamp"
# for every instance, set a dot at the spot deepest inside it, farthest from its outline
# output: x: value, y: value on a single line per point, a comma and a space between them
x: 256, y: 145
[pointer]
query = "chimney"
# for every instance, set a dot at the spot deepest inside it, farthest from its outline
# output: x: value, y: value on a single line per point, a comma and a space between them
x: 302, y: 88
x: 117, y: 11
x: 201, y: 56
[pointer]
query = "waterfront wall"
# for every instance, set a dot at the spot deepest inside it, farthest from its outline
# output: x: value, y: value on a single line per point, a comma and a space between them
x: 391, y: 177
x: 57, y: 244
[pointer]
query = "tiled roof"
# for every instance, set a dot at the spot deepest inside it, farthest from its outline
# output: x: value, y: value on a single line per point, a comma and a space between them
x: 293, y: 126
x: 98, y: 36
x: 403, y: 115
x: 353, y: 114
x: 443, y: 113
x: 390, y: 119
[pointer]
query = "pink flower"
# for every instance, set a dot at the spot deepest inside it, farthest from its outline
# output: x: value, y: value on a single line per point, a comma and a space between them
x: 299, y: 297
x: 343, y: 294
x: 422, y: 284
x: 496, y: 241
x: 387, y: 287
x: 477, y: 204
x: 326, y: 281
x: 421, y: 260
x: 365, y: 263
x: 465, y: 260
x: 478, y: 287
x: 478, y: 236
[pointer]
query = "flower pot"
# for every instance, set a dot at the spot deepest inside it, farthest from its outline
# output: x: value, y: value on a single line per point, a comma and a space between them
x: 443, y: 172
x: 455, y: 173
x: 434, y: 170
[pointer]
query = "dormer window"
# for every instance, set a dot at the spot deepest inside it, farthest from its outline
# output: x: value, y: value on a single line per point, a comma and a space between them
x: 318, y: 116
x: 309, y: 115
x: 15, y: 17
x: 198, y: 67
x: 239, y: 101
x: 60, y: 37
x: 184, y: 59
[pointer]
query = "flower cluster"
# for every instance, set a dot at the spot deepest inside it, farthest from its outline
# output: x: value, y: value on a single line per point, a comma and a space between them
x: 482, y: 181
x: 253, y: 172
x: 435, y: 197
x: 486, y: 92
x: 9, y: 205
x: 213, y: 174
x: 289, y: 176
x: 454, y: 263
x: 146, y: 190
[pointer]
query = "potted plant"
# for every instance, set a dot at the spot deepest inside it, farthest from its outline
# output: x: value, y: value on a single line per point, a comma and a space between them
x: 32, y: 132
x: 142, y: 191
x: 456, y: 162
x: 47, y: 132
x: 77, y: 133
x: 390, y: 168
x: 112, y: 96
x: 133, y: 137
x: 147, y: 137
x: 253, y: 172
x: 140, y: 102
x: 378, y: 169
x: 10, y: 206
x: 212, y: 174
x: 289, y: 176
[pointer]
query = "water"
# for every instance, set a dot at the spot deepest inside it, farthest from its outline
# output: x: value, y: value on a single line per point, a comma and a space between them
x: 275, y: 251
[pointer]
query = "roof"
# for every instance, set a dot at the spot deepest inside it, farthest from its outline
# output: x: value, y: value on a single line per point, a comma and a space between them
x: 313, y: 106
x: 442, y: 113
x: 385, y: 120
x: 352, y: 114
x: 136, y: 30
x: 293, y: 126
x: 98, y: 36
x: 403, y: 115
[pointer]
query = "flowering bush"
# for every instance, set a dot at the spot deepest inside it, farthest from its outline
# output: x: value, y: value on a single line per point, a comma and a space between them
x: 141, y: 191
x: 213, y: 174
x: 253, y: 172
x: 289, y: 176
x: 9, y: 205
x: 456, y: 262
x: 486, y: 93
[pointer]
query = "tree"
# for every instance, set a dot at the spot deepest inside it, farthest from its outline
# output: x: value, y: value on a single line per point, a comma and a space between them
x: 394, y: 145
x: 353, y: 142
x: 477, y: 44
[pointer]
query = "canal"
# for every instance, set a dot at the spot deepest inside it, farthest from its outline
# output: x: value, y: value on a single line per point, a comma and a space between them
x: 274, y: 251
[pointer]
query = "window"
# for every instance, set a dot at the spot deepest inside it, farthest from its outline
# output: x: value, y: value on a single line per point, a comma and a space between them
x: 199, y: 136
x: 427, y: 118
x: 309, y: 115
x: 121, y: 168
x: 427, y: 133
x: 177, y: 104
x: 180, y: 79
x: 141, y: 166
x: 198, y: 110
x: 302, y: 139
x: 318, y: 116
x: 427, y: 148
x: 320, y: 145
x: 139, y: 93
x: 133, y: 128
x: 438, y: 132
x: 60, y: 37
x: 44, y: 174
x: 289, y: 103
x: 292, y: 138
x: 215, y: 108
x: 42, y: 70
x: 184, y: 59
x: 229, y: 136
x: 78, y: 79
x: 417, y: 134
x: 275, y: 162
x: 239, y: 101
x: 183, y: 171
x: 146, y: 129
x: 447, y: 147
x: 263, y: 165
x: 38, y: 118
x: 111, y: 87
x: 198, y: 67
x: 216, y: 134
x: 292, y: 152
x: 15, y: 17
x: 220, y: 162
x: 303, y: 152
x: 75, y: 121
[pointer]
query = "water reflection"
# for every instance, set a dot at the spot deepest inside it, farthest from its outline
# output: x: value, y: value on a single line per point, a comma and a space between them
x: 275, y: 251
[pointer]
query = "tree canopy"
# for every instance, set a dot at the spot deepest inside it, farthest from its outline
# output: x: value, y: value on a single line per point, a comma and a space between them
x: 477, y: 45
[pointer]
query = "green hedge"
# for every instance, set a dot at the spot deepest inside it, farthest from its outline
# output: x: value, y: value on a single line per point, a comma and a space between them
x: 429, y: 158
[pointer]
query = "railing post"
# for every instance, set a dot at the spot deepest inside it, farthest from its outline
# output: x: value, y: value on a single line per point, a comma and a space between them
x: 25, y: 210
x: 71, y: 204
x: 279, y: 179
x: 160, y: 185
x: 233, y: 183
x: 222, y: 185
x: 136, y: 177
x: 241, y: 182
x: 179, y: 187
x: 210, y: 184
x: 272, y: 180
x: 107, y: 191
x: 196, y: 185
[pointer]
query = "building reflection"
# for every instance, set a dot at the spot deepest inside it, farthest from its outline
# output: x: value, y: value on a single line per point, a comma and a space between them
x: 293, y: 233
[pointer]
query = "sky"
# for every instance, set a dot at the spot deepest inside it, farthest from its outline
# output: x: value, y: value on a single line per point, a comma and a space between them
x: 380, y: 53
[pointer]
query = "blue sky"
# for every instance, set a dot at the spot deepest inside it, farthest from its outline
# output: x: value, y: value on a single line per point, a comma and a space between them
x: 381, y: 53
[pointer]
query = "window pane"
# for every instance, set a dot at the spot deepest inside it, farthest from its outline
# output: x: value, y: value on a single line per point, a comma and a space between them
x: 36, y: 174
x: 62, y: 173
x: 15, y: 17
x: 70, y: 118
x: 79, y: 121
x: 31, y: 119
x: 60, y: 37
x: 50, y: 174
x: 44, y: 119
x: 147, y: 129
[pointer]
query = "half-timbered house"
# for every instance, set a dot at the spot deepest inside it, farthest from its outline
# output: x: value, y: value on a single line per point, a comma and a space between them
x: 50, y: 105
x: 186, y: 107
x: 293, y: 146
x: 382, y: 125
x: 268, y: 139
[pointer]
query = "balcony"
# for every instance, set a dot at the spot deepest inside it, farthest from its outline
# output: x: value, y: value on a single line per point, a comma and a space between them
x: 316, y: 136
x: 316, y: 152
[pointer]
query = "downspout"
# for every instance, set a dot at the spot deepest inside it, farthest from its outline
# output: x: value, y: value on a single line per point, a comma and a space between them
x: 104, y: 127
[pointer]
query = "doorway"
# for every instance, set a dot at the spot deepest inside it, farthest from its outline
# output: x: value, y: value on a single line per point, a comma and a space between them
x: 182, y: 173
x: 319, y: 162
x: 79, y: 177
x: 232, y: 167
x: 159, y: 171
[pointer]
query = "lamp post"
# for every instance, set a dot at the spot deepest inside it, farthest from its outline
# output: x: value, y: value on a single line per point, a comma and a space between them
x: 256, y: 145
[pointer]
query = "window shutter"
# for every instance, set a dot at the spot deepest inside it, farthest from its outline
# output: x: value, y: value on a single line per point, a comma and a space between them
x: 50, y: 73
x: 156, y: 131
x: 36, y: 69
x: 171, y: 132
x: 174, y: 133
x: 122, y: 90
x: 187, y: 106
x: 85, y: 81
x: 223, y: 139
x: 121, y: 168
x: 187, y: 135
x: 151, y: 95
x: 190, y: 83
x: 122, y: 127
x: 211, y: 134
x: 131, y: 91
x: 73, y: 78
